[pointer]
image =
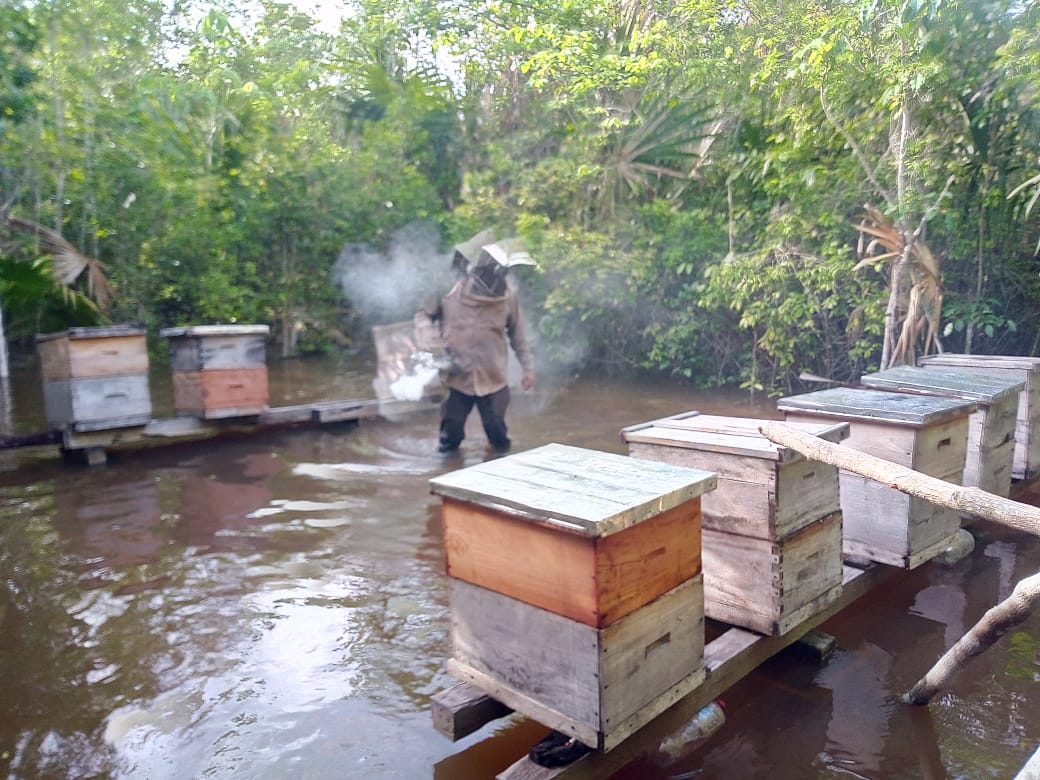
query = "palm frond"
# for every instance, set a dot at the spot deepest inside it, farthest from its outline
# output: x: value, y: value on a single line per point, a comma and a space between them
x: 68, y: 263
x: 921, y: 310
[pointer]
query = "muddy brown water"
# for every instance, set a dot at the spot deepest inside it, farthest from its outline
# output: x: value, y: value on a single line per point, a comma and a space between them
x: 275, y: 606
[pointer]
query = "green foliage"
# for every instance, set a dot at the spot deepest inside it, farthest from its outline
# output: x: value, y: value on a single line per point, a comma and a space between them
x: 690, y: 174
x: 981, y: 315
x: 17, y: 76
x: 34, y: 303
x: 798, y: 312
x: 594, y: 312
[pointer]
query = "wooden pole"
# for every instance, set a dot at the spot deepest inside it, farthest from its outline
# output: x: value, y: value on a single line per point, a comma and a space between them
x: 967, y: 500
x: 997, y: 620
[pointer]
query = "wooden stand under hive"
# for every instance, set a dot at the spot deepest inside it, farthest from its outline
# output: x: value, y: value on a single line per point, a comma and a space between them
x: 927, y: 434
x: 577, y: 595
x: 95, y: 378
x: 219, y: 371
x: 1026, y: 463
x: 772, y: 528
x: 991, y: 429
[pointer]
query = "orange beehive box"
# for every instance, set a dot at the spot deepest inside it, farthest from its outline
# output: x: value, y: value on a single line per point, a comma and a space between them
x: 587, y: 535
x: 220, y: 392
x: 219, y: 371
x: 577, y: 598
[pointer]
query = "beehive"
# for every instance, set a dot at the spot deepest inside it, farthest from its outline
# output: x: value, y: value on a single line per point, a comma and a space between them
x: 95, y: 378
x: 577, y: 595
x: 991, y: 430
x: 772, y: 540
x: 925, y: 433
x: 1026, y: 462
x: 219, y: 371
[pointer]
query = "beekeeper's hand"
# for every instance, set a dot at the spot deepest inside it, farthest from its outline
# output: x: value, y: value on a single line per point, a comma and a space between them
x: 527, y: 381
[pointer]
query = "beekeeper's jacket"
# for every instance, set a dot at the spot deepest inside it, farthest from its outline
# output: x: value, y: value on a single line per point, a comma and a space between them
x: 477, y: 331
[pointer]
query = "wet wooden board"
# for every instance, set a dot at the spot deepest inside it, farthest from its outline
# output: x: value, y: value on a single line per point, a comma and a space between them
x: 728, y: 659
x: 584, y: 491
x: 950, y: 383
x: 726, y: 435
x: 851, y: 403
x: 460, y: 710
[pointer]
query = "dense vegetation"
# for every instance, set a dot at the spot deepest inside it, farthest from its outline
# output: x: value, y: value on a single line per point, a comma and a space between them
x: 728, y: 192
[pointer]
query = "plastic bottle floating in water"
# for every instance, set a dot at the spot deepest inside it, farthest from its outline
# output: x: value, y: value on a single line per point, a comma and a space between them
x: 695, y: 733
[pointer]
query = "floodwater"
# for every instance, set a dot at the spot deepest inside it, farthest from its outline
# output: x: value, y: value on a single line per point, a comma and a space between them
x: 275, y: 606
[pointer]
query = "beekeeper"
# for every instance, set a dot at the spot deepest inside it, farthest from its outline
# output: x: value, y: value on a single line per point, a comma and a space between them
x: 474, y: 325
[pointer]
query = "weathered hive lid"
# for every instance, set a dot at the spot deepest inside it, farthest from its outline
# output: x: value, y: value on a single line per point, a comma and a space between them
x: 94, y: 332
x: 726, y: 435
x: 953, y: 360
x: 215, y: 330
x: 947, y: 382
x: 852, y: 403
x: 592, y: 493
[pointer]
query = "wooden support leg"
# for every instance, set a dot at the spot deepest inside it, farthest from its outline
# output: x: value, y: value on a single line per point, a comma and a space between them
x: 91, y: 456
x: 815, y: 647
x: 460, y: 710
x: 96, y: 456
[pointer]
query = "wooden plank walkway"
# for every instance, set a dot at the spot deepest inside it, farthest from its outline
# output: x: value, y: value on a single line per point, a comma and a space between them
x: 462, y: 709
x: 92, y: 444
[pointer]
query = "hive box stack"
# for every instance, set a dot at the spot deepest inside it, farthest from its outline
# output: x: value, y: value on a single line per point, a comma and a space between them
x: 95, y: 378
x: 1026, y: 461
x: 924, y: 433
x: 219, y: 371
x: 991, y: 429
x: 771, y: 543
x: 577, y: 594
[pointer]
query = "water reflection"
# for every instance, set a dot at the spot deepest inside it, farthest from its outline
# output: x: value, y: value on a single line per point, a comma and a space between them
x: 276, y: 606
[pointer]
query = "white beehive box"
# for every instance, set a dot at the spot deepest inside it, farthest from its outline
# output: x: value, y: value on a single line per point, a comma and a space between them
x: 1026, y: 463
x: 991, y: 430
x: 925, y: 433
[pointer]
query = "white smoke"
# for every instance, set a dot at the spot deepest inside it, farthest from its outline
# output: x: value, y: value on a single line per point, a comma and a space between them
x: 389, y: 286
x: 423, y: 371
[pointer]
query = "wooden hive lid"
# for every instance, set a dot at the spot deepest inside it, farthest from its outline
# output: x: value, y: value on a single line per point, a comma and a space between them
x: 947, y: 382
x: 94, y: 332
x: 1023, y: 362
x: 579, y: 490
x: 216, y: 330
x: 726, y: 435
x: 853, y: 403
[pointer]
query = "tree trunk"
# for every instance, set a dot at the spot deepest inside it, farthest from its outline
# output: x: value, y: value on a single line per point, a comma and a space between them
x: 1008, y: 613
x: 4, y: 365
x: 967, y: 500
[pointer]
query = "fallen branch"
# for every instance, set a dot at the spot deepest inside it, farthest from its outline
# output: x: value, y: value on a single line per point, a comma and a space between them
x: 997, y: 620
x: 966, y: 500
